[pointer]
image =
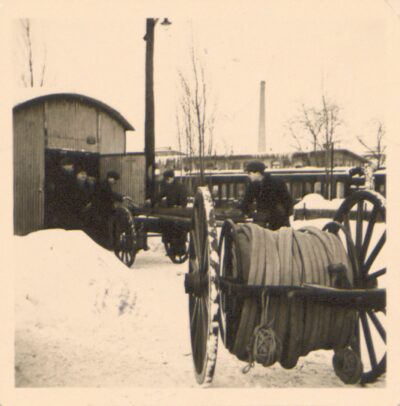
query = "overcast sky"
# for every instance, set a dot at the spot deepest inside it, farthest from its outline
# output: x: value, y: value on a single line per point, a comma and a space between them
x: 300, y: 48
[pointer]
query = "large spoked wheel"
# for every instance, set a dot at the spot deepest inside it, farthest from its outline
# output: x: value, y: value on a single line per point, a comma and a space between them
x: 201, y: 285
x: 230, y: 270
x: 125, y: 238
x: 360, y: 223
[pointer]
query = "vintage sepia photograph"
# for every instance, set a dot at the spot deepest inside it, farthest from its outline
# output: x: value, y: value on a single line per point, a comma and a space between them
x: 196, y: 203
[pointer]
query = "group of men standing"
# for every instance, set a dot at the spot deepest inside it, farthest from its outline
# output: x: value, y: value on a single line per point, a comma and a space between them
x: 270, y: 196
x: 75, y: 200
x: 78, y: 201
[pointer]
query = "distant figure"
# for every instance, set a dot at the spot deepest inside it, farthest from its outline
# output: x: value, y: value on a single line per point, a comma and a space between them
x: 172, y: 190
x: 61, y: 195
x: 174, y: 235
x: 274, y: 204
x: 103, y: 202
x: 82, y: 197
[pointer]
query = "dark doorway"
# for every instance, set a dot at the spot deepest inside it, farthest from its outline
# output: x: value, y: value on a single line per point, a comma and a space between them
x: 63, y: 196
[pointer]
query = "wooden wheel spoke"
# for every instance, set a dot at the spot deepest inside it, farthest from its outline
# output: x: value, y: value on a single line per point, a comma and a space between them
x: 356, y: 343
x: 369, y: 232
x: 375, y: 252
x: 197, y: 251
x: 204, y: 256
x: 351, y: 249
x: 196, y: 237
x: 194, y: 310
x: 233, y: 271
x: 377, y: 274
x: 368, y: 340
x: 196, y: 347
x: 359, y: 228
x: 194, y: 264
x: 200, y: 228
x: 346, y: 223
x: 203, y: 329
x: 377, y: 324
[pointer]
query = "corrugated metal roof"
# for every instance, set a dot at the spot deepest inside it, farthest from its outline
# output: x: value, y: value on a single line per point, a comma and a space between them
x: 83, y: 99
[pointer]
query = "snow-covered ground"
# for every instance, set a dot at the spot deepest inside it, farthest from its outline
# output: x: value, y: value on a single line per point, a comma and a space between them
x: 83, y: 319
x: 315, y: 201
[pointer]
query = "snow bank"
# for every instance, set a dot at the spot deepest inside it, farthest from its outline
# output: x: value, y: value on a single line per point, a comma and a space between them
x: 315, y: 201
x: 65, y: 277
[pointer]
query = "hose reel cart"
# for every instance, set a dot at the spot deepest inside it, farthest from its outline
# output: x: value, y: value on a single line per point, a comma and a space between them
x: 274, y: 296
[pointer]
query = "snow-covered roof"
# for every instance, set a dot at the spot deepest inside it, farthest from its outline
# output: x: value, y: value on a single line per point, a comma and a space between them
x: 294, y: 171
x: 167, y: 151
x: 381, y: 171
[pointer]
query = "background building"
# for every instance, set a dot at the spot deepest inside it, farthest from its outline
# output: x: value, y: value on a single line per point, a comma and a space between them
x: 341, y: 157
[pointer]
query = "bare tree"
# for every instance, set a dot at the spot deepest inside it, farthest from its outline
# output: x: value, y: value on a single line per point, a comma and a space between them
x: 377, y: 151
x: 315, y: 128
x: 306, y: 128
x: 196, y: 116
x: 34, y: 70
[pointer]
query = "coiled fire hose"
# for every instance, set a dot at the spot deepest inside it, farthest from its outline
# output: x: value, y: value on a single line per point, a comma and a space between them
x: 282, y: 328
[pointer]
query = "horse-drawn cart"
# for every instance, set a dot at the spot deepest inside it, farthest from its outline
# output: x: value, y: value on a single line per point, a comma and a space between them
x: 274, y: 296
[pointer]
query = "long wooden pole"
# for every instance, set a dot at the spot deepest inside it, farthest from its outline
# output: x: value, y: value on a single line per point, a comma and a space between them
x: 149, y: 137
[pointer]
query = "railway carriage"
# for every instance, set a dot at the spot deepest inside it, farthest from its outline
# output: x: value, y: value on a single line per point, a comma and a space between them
x: 227, y: 187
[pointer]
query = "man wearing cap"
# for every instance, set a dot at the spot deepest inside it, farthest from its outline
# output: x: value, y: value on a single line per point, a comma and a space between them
x: 273, y: 200
x: 103, y: 201
x: 172, y: 190
x: 175, y: 195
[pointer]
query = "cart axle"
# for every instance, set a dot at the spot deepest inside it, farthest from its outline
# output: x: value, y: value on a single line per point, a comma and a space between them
x: 195, y: 284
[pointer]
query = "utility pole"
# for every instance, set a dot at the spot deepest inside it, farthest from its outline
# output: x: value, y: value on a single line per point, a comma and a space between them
x: 149, y: 137
x: 149, y: 134
x: 332, y: 167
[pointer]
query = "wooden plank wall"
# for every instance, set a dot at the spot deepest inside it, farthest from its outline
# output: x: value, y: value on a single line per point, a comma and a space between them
x: 69, y: 123
x: 111, y: 135
x: 28, y: 169
x: 131, y: 168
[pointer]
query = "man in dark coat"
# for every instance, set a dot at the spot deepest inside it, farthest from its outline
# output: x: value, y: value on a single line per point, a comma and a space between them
x: 60, y: 195
x: 82, y: 197
x: 274, y: 204
x: 172, y: 190
x: 103, y: 202
x: 175, y: 195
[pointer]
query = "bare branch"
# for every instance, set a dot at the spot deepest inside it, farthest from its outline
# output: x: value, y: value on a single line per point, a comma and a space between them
x: 30, y: 59
x: 194, y: 105
x: 376, y: 151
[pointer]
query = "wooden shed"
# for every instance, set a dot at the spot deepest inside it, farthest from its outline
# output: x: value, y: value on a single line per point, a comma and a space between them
x: 50, y: 127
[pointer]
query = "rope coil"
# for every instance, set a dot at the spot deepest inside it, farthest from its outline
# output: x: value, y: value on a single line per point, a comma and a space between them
x: 281, y: 328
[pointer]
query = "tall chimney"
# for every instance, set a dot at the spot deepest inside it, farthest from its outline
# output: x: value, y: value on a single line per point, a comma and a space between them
x: 261, y: 124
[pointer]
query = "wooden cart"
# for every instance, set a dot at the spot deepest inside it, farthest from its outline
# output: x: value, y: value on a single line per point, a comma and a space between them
x: 134, y: 225
x: 297, y: 309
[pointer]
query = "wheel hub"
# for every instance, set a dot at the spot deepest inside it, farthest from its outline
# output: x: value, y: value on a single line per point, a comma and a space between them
x: 195, y: 284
